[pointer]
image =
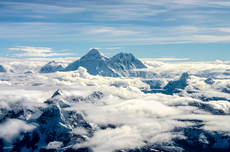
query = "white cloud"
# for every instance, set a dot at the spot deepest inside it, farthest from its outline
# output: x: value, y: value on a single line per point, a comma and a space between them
x: 221, y: 3
x: 54, y: 145
x: 138, y: 117
x: 112, y: 31
x: 193, y: 17
x: 41, y: 8
x: 36, y: 52
x: 79, y: 131
x: 224, y: 29
x: 98, y: 48
x: 114, y: 35
x: 171, y: 59
x: 14, y: 128
x: 212, y: 38
x: 111, y: 139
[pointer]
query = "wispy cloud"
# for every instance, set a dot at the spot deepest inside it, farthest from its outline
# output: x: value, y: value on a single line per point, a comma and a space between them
x: 170, y: 59
x: 114, y: 48
x: 39, y: 8
x: 222, y: 3
x: 29, y: 51
x: 120, y: 22
x: 112, y: 31
x: 212, y: 38
x: 98, y: 48
x: 125, y: 10
x: 122, y: 35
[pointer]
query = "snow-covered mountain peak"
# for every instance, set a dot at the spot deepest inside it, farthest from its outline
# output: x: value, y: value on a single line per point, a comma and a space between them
x: 2, y: 69
x: 53, y: 63
x: 173, y: 86
x: 96, y: 63
x: 128, y: 60
x: 51, y: 67
x: 58, y: 99
x: 122, y: 56
x: 94, y: 54
x: 57, y: 93
x: 184, y: 76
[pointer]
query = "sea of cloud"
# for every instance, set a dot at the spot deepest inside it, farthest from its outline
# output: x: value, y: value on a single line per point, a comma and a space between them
x: 140, y: 119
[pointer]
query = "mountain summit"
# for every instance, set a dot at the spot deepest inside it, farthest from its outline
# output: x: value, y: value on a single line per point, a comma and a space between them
x: 51, y: 67
x: 2, y: 69
x: 173, y: 86
x: 97, y: 63
x: 128, y: 61
x: 94, y: 54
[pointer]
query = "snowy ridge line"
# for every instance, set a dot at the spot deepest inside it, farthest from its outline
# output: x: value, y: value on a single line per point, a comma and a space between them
x: 119, y: 65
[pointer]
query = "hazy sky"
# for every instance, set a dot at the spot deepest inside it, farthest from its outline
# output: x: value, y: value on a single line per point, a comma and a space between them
x: 194, y: 29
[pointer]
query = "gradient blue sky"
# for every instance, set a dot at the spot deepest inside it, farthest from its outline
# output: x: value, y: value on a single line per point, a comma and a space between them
x: 198, y: 30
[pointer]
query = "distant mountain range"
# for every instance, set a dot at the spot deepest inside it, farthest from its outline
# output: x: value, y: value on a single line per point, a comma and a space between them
x: 96, y: 63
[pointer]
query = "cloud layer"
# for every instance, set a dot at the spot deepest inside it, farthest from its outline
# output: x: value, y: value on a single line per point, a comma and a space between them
x: 125, y: 117
x: 35, y: 52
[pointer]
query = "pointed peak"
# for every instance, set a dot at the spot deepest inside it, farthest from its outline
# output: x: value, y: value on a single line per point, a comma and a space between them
x: 51, y: 62
x: 94, y: 50
x: 209, y: 81
x: 94, y: 54
x: 56, y: 93
x: 126, y: 54
x: 2, y: 68
x: 185, y: 75
x: 122, y: 55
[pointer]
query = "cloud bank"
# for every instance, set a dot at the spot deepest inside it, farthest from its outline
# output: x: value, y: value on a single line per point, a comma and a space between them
x: 36, y: 52
x: 109, y: 114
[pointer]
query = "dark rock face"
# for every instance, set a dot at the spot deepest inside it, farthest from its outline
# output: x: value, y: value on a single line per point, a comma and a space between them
x: 33, y: 141
x: 84, y: 149
x: 47, y: 150
x: 11, y: 114
x: 29, y: 141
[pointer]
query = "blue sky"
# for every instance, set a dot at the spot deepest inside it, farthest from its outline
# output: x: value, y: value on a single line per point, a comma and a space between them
x: 198, y: 30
